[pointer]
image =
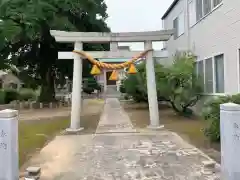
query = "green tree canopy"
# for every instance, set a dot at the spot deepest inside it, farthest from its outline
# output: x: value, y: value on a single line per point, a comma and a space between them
x: 26, y: 42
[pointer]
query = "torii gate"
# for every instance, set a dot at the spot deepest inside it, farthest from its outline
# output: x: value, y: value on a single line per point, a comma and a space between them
x: 78, y: 38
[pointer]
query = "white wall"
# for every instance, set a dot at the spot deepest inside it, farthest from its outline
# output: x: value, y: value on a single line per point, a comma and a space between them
x: 217, y: 33
x: 181, y: 43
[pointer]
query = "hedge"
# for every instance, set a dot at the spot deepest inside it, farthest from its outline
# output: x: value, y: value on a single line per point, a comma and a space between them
x: 211, y: 113
x: 9, y: 95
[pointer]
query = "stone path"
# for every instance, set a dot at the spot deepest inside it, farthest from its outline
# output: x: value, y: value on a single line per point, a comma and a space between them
x: 114, y: 119
x: 113, y: 154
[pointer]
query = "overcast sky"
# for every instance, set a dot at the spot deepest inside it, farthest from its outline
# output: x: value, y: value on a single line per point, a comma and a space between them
x: 136, y: 15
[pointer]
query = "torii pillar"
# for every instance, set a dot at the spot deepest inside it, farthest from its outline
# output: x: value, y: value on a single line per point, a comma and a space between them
x: 151, y: 89
x: 76, y: 91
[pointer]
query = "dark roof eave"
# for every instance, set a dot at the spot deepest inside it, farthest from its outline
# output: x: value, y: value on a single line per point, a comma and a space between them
x: 169, y: 9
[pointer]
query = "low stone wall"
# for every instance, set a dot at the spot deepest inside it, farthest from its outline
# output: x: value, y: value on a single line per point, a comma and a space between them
x: 27, y: 105
x: 63, y: 102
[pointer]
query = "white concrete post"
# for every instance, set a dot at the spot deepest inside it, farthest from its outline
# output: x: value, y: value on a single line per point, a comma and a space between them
x: 50, y: 105
x: 151, y: 87
x: 230, y: 141
x: 21, y: 105
x: 113, y: 46
x: 105, y: 80
x: 9, y: 144
x: 76, y: 91
x: 31, y: 105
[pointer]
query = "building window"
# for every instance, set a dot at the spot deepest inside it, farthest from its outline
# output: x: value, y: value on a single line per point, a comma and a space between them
x: 239, y: 68
x: 203, y: 7
x: 192, y: 13
x: 219, y: 73
x: 199, y: 9
x: 206, y: 6
x: 208, y: 76
x: 175, y: 27
x: 200, y: 71
x: 216, y: 2
x: 179, y: 25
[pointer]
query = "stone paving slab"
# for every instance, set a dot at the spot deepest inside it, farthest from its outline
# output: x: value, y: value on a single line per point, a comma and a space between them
x: 110, y: 155
x: 114, y: 118
x: 145, y: 156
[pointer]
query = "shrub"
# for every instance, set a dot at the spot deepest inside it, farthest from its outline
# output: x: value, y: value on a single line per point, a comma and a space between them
x: 126, y: 97
x: 211, y: 113
x: 177, y: 84
x: 135, y: 85
x: 27, y: 94
x: 90, y: 84
x: 122, y: 89
x: 183, y: 84
x: 88, y: 90
x: 10, y: 95
x: 235, y: 98
x: 2, y: 97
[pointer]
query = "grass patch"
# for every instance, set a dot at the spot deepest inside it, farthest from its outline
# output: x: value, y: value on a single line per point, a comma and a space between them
x: 34, y: 134
x: 189, y: 129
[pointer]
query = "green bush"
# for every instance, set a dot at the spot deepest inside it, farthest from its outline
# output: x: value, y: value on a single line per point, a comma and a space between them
x: 184, y: 85
x: 177, y: 84
x: 134, y: 85
x: 211, y: 113
x: 126, y: 97
x: 27, y: 94
x: 90, y: 84
x: 2, y: 97
x: 88, y: 90
x: 10, y: 95
x: 122, y: 89
x: 235, y: 98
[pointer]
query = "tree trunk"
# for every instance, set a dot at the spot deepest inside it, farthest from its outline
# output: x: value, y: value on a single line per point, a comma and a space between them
x: 47, y: 93
x: 48, y: 56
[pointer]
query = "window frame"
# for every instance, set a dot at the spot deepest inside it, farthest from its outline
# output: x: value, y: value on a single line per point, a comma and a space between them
x: 213, y: 74
x: 238, y: 67
x: 175, y: 27
x: 207, y: 10
x: 215, y: 71
x: 182, y: 15
x: 213, y: 8
x: 192, y: 13
x: 177, y: 32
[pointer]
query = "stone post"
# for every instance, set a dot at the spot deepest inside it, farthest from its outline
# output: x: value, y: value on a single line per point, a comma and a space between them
x: 59, y: 104
x: 105, y: 81
x: 31, y: 105
x: 230, y: 141
x: 9, y: 144
x: 21, y: 105
x: 151, y: 87
x: 50, y: 105
x: 76, y: 91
